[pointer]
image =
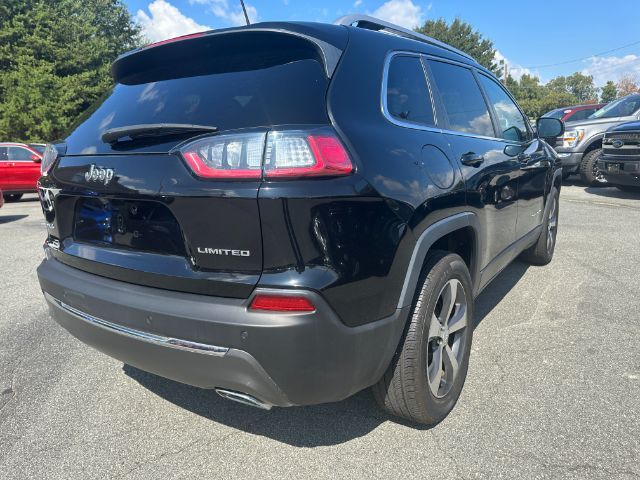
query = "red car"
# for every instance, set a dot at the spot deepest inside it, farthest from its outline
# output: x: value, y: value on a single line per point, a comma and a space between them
x: 19, y: 170
x: 574, y: 113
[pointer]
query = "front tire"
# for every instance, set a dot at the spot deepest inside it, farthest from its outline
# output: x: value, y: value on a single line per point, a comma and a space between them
x: 589, y: 171
x: 12, y: 197
x: 425, y: 378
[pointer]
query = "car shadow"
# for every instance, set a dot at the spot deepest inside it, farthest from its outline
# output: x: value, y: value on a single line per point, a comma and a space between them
x: 11, y: 218
x: 613, y: 192
x: 312, y: 426
x: 498, y: 289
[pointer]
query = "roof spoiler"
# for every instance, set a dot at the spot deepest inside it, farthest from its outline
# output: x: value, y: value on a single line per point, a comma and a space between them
x: 127, y: 63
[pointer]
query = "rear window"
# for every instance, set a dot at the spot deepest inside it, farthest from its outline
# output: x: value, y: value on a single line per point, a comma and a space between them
x: 581, y: 114
x: 559, y: 113
x: 225, y: 94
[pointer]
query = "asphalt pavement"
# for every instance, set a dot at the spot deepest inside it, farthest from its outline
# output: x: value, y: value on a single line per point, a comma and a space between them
x: 553, y: 389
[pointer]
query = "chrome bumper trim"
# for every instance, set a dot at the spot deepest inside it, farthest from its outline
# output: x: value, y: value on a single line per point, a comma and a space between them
x: 176, y: 343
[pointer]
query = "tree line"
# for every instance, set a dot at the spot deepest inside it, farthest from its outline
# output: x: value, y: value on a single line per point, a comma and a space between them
x: 55, y: 59
x: 534, y: 97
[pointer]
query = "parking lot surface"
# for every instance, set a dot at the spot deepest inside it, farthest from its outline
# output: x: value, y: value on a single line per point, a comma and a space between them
x: 553, y: 389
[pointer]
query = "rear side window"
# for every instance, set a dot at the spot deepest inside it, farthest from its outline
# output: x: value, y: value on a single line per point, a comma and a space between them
x: 407, y: 91
x: 462, y: 100
x: 513, y: 125
x: 19, y: 153
x: 3, y: 153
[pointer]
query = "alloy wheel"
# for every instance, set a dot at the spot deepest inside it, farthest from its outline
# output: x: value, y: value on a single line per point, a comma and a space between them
x: 445, y: 343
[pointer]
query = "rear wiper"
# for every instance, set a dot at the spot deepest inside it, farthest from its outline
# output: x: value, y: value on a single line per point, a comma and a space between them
x: 132, y: 132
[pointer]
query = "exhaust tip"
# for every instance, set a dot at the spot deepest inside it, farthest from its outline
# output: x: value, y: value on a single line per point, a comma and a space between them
x: 243, y: 398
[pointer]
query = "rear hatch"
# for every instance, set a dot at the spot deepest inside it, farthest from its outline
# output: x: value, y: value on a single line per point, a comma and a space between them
x: 123, y: 201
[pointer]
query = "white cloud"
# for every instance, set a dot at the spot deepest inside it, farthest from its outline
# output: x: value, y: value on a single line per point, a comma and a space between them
x: 231, y: 14
x: 401, y: 12
x: 612, y: 68
x: 514, y: 69
x: 166, y: 21
x: 357, y: 3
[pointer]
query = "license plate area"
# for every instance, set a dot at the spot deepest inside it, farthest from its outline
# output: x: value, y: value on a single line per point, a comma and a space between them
x: 613, y: 167
x: 139, y: 225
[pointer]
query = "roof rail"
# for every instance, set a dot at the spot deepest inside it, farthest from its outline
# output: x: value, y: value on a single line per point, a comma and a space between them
x: 372, y: 23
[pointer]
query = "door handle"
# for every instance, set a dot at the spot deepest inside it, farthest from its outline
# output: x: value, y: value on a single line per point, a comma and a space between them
x: 528, y: 164
x: 472, y: 159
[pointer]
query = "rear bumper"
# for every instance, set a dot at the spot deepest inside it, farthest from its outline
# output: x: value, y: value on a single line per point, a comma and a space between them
x: 213, y: 342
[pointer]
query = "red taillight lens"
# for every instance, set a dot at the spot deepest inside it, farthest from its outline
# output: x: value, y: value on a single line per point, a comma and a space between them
x: 281, y: 303
x: 226, y: 156
x: 286, y: 154
x: 296, y: 154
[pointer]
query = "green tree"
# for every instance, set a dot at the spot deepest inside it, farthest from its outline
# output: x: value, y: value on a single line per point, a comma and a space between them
x: 609, y: 92
x: 580, y: 86
x: 55, y: 61
x: 462, y: 36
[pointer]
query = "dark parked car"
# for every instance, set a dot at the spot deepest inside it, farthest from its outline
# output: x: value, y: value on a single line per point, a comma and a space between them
x: 620, y: 159
x: 287, y: 224
x: 575, y: 112
x: 581, y: 144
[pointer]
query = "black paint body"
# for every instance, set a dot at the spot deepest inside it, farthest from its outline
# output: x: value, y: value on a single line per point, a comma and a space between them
x: 351, y: 240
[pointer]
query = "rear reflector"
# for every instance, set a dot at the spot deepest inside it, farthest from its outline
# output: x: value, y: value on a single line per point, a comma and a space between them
x: 281, y: 303
x: 282, y: 154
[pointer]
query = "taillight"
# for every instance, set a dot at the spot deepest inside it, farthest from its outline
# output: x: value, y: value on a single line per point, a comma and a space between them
x: 281, y: 303
x: 226, y: 156
x: 301, y: 154
x: 281, y: 154
x: 48, y: 159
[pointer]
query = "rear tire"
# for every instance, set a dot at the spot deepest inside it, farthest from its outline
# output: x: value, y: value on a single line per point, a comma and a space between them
x: 541, y: 253
x: 589, y: 172
x: 425, y: 377
x: 12, y: 197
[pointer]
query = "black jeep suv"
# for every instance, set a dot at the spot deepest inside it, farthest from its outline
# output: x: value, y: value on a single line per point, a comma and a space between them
x: 289, y: 213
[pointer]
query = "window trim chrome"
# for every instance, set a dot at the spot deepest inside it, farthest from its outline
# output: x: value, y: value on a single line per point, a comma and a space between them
x: 384, y: 91
x: 175, y: 343
x: 418, y: 126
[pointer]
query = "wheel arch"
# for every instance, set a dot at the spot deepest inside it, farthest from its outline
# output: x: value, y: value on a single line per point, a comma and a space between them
x: 594, y: 142
x: 462, y: 225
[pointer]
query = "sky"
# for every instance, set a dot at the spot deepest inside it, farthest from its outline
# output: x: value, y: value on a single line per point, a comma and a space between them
x: 543, y: 38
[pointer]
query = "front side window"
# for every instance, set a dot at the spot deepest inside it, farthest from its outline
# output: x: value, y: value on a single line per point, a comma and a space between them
x: 407, y: 91
x: 3, y: 153
x: 463, y: 102
x: 513, y: 125
x: 19, y: 153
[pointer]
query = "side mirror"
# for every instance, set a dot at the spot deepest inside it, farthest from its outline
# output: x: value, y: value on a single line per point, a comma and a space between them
x: 35, y: 158
x: 549, y: 128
